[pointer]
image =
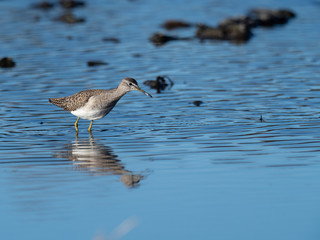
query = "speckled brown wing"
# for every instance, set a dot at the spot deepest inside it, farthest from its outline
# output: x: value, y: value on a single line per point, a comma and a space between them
x: 76, y: 100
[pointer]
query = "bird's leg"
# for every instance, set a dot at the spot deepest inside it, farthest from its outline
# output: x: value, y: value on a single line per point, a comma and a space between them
x: 89, y: 129
x: 76, y: 124
x: 91, y: 137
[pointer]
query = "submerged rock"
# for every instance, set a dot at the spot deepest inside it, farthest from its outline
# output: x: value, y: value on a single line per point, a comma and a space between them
x: 261, y: 119
x: 96, y: 63
x: 232, y: 31
x: 246, y: 20
x: 7, y: 62
x: 206, y: 32
x: 68, y: 17
x: 111, y: 39
x: 239, y: 29
x: 44, y: 5
x: 160, y: 39
x: 71, y: 3
x: 238, y: 32
x: 197, y: 103
x: 173, y: 24
x: 160, y: 84
x: 270, y: 17
x: 136, y: 55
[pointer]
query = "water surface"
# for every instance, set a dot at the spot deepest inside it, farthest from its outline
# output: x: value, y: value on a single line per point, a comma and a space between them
x: 160, y: 167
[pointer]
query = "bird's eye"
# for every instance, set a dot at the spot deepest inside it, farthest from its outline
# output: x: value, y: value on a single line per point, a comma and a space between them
x: 130, y: 84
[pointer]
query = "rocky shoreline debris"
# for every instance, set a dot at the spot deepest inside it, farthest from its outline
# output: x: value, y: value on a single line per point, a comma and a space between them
x: 66, y: 6
x: 233, y: 29
x: 71, y: 4
x: 173, y: 24
x: 160, y: 39
x: 96, y: 63
x: 197, y: 103
x: 70, y: 18
x: 160, y: 84
x: 7, y: 62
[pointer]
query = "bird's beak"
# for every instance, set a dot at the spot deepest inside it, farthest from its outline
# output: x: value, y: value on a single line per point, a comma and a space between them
x: 139, y: 89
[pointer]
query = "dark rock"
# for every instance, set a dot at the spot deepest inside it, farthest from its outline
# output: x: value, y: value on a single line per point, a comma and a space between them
x: 269, y: 17
x: 111, y: 39
x: 261, y: 119
x: 235, y: 29
x: 136, y: 55
x: 232, y: 31
x: 160, y: 84
x: 173, y: 24
x: 239, y: 29
x: 238, y: 32
x: 71, y: 3
x: 7, y: 62
x: 197, y: 103
x: 44, y: 5
x: 238, y: 20
x: 159, y: 39
x: 68, y: 17
x: 206, y: 32
x: 96, y: 63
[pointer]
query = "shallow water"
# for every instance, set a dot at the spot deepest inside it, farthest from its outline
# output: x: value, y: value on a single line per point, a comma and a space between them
x: 211, y: 172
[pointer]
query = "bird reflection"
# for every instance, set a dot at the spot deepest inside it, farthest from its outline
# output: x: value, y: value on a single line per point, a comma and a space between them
x: 89, y: 155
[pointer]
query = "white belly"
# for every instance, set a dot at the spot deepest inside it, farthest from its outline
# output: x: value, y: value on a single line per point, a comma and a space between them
x: 90, y: 113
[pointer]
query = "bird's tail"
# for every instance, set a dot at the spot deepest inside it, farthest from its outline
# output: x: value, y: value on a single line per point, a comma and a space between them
x: 57, y: 101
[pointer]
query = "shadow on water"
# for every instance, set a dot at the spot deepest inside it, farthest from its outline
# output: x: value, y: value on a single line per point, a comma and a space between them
x: 91, y: 156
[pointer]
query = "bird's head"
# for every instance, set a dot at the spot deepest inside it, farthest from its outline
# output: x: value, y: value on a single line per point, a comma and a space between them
x: 130, y: 84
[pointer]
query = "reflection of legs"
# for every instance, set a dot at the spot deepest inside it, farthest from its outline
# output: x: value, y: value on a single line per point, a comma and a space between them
x: 89, y: 129
x: 76, y: 124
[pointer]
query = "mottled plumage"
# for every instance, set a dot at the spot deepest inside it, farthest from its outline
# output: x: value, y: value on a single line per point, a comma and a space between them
x: 94, y: 104
x: 76, y: 100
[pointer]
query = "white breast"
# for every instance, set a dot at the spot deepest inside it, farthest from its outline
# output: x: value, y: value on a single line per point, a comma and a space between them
x: 89, y: 114
x: 92, y: 111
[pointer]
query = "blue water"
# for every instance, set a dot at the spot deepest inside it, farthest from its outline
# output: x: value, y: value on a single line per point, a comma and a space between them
x: 210, y: 172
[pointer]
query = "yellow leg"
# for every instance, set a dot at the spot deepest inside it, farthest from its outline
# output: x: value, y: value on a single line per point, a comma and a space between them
x: 89, y: 129
x: 76, y: 124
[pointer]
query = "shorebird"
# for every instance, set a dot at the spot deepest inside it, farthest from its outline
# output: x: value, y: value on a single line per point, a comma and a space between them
x: 94, y: 104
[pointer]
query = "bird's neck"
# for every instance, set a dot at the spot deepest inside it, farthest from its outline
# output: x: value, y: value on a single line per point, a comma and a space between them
x: 111, y: 97
x: 119, y: 92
